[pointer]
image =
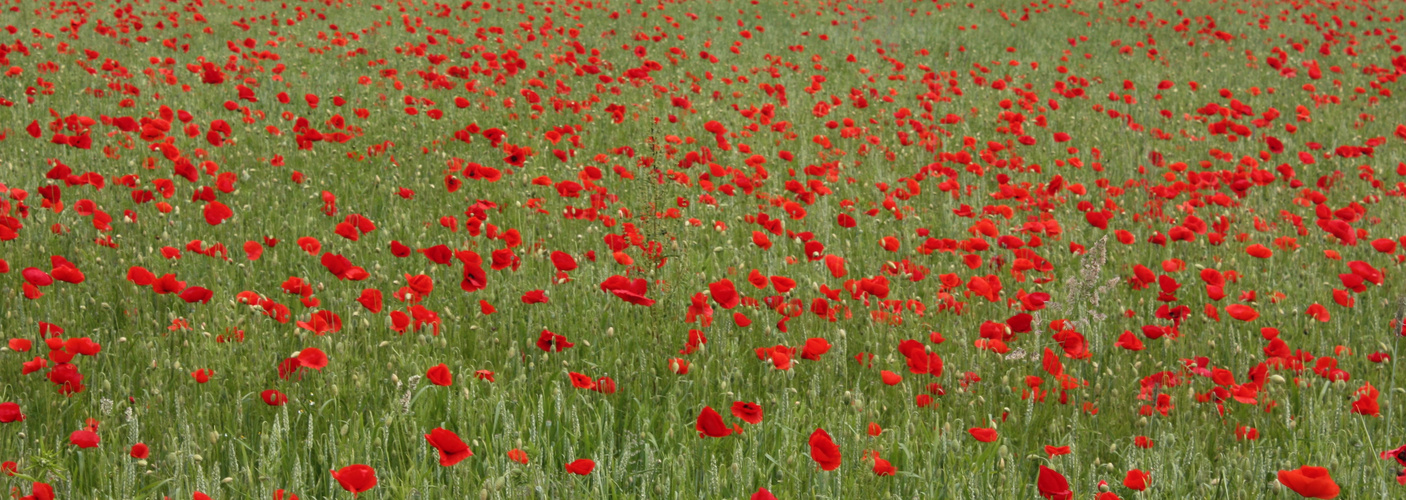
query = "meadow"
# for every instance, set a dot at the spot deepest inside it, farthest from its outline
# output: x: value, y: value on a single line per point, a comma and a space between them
x: 701, y: 249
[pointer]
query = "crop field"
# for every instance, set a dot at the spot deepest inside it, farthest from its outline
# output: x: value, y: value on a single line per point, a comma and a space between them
x: 701, y: 249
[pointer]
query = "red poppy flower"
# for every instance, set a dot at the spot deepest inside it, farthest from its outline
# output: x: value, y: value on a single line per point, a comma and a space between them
x: 140, y: 276
x: 882, y: 467
x: 628, y: 290
x: 761, y: 240
x: 983, y: 434
x: 342, y: 268
x: 814, y: 348
x: 355, y: 478
x: 1137, y: 480
x: 10, y: 412
x: 747, y: 412
x: 440, y: 375
x: 312, y: 357
x: 581, y: 381
x: 140, y: 451
x: 1366, y: 403
x: 710, y: 424
x: 289, y: 367
x: 779, y: 355
x: 168, y: 284
x: 197, y: 294
x: 823, y: 450
x: 1129, y: 341
x: 550, y: 342
x: 452, y: 449
x: 534, y: 297
x: 741, y: 320
x: 68, y: 274
x: 678, y: 366
x: 216, y: 213
x: 34, y: 365
x: 1242, y: 312
x: 371, y: 299
x: 563, y: 261
x: 1318, y: 312
x: 310, y: 245
x: 399, y: 321
x: 1050, y: 362
x: 322, y: 323
x: 696, y: 340
x: 84, y: 439
x: 1366, y: 272
x: 40, y: 491
x: 272, y: 397
x: 253, y: 250
x: 1398, y: 454
x: 518, y: 456
x: 36, y: 277
x: 1259, y: 251
x: 724, y: 293
x: 1309, y: 482
x: 757, y: 279
x: 1053, y: 485
x: 202, y: 375
x: 581, y: 467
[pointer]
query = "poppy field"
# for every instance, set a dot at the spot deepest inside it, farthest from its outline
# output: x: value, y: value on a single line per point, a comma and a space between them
x: 701, y: 249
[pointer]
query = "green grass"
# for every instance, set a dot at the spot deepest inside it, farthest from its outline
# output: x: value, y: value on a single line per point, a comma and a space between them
x: 372, y: 405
